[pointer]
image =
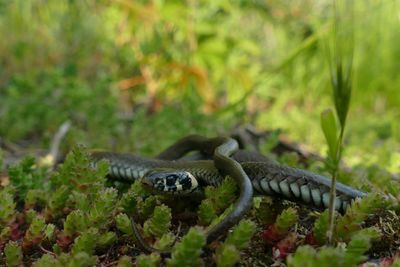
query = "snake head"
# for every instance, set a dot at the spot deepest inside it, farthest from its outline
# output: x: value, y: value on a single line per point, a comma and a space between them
x: 171, y: 182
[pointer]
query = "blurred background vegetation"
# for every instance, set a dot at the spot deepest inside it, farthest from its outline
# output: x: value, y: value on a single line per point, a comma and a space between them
x: 135, y: 75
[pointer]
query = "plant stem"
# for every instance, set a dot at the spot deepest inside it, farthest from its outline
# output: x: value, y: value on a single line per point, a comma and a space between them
x: 332, y: 194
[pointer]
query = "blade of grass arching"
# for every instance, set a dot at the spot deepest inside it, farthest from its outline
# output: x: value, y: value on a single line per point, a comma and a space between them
x: 340, y: 63
x: 304, y: 46
x: 238, y: 104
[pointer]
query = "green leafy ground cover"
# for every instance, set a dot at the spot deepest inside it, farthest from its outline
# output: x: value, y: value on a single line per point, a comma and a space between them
x: 76, y: 218
x: 134, y: 76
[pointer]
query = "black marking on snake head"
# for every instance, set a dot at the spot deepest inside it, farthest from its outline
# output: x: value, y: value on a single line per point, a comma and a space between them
x: 185, y: 181
x: 159, y: 186
x: 171, y: 179
x: 172, y: 188
x: 176, y: 182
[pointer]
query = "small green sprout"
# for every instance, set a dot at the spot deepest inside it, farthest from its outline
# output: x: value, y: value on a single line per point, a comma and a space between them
x: 13, y: 253
x: 76, y: 222
x: 124, y: 224
x: 217, y: 200
x: 86, y: 242
x: 5, y: 233
x: 76, y: 173
x: 80, y: 259
x: 159, y: 223
x: 146, y: 207
x: 49, y: 232
x: 26, y: 176
x: 35, y: 197
x: 35, y: 233
x: 151, y: 260
x: 356, y: 214
x: 286, y: 220
x: 101, y: 212
x: 206, y: 212
x: 359, y: 244
x: 227, y: 255
x: 7, y: 207
x: 128, y: 203
x: 241, y: 234
x: 124, y: 261
x: 187, y: 252
x: 165, y: 241
x: 106, y: 239
x: 47, y: 260
x: 321, y: 226
x: 56, y: 202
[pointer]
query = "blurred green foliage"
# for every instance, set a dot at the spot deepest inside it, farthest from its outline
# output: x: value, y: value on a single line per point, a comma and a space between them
x: 123, y: 70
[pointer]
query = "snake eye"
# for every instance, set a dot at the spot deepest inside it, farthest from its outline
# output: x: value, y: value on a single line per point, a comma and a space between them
x: 170, y: 180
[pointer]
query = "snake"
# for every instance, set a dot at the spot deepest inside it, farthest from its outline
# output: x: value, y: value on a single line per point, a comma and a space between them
x: 221, y: 148
x: 167, y: 173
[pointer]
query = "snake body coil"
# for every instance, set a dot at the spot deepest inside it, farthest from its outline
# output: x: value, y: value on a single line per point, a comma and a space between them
x: 266, y: 177
x: 221, y: 148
